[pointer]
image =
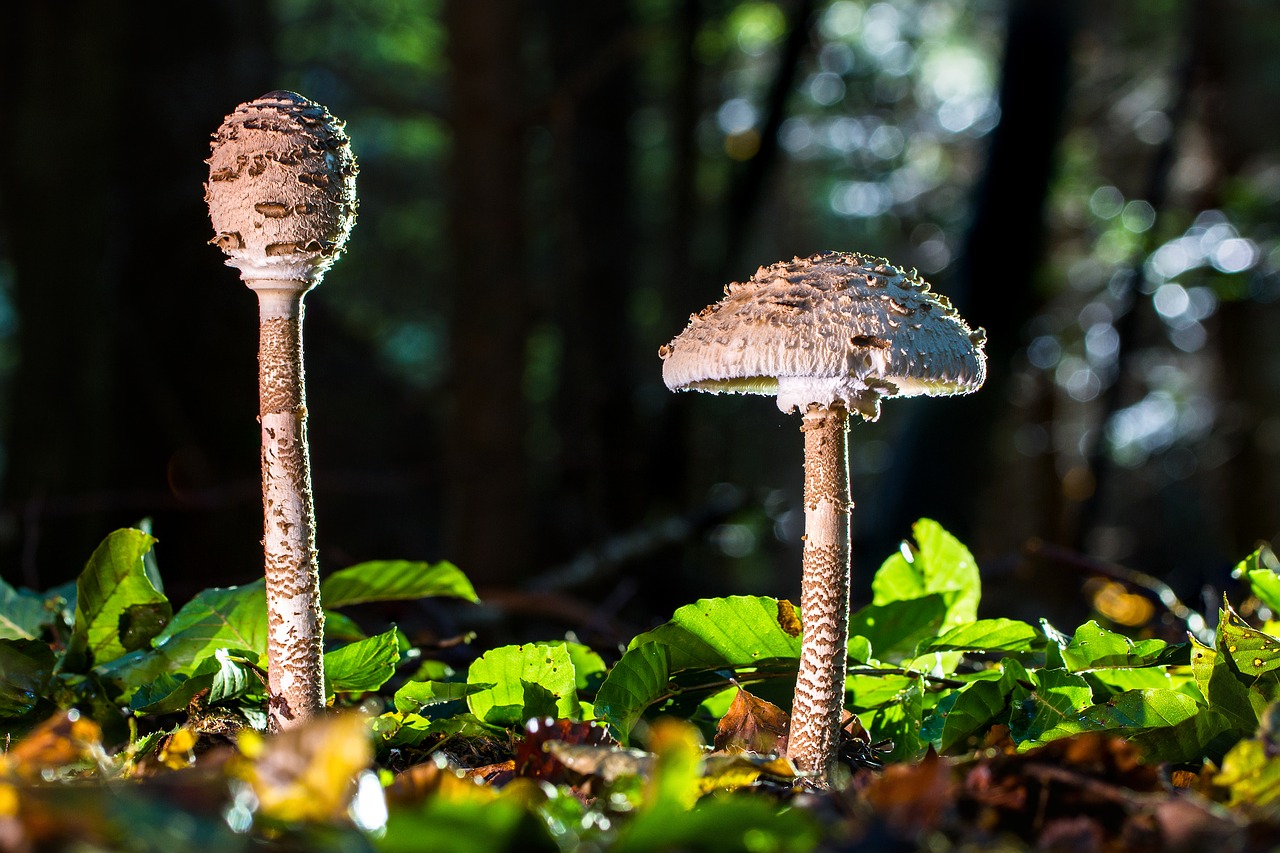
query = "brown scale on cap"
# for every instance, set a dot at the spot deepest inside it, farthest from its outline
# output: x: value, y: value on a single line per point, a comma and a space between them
x: 281, y: 190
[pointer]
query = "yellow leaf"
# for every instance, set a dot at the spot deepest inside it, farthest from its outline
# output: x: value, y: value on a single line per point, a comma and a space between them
x: 176, y: 753
x: 8, y: 800
x: 307, y: 774
x: 677, y: 768
x: 435, y: 778
x: 58, y: 741
x: 725, y: 771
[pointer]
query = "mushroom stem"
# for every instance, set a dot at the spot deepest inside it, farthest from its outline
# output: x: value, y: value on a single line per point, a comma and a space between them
x: 296, y: 621
x: 818, y: 705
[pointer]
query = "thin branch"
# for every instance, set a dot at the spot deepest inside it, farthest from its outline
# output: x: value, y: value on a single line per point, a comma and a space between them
x: 1065, y: 558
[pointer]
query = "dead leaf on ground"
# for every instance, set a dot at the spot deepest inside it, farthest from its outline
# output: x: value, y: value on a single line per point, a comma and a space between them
x: 308, y: 773
x: 753, y: 725
x: 435, y: 777
x: 723, y: 771
x: 604, y: 762
x: 497, y: 774
x: 534, y: 761
x: 913, y: 797
x: 64, y: 739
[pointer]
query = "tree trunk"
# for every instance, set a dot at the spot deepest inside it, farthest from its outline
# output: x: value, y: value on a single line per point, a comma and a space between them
x: 952, y: 439
x: 487, y: 529
x: 594, y: 96
x: 105, y: 121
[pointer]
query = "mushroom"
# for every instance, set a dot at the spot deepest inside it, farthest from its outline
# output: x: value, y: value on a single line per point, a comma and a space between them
x: 282, y: 200
x: 829, y: 334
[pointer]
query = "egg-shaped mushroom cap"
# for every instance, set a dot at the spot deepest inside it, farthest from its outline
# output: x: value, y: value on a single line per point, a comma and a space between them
x: 832, y: 328
x: 282, y: 188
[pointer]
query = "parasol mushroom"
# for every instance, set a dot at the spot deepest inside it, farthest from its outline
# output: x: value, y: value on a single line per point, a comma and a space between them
x: 282, y: 199
x: 829, y: 334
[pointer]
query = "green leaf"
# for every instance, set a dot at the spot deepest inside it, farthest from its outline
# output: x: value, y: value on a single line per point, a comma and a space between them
x: 866, y: 691
x: 1205, y: 736
x: 230, y: 617
x: 394, y: 580
x: 1057, y: 641
x: 938, y: 563
x: 398, y: 729
x: 703, y: 645
x: 362, y: 666
x: 720, y: 633
x: 1110, y: 682
x: 23, y: 614
x: 1259, y: 569
x: 986, y: 635
x: 588, y: 667
x: 233, y: 677
x: 1144, y: 709
x: 474, y: 823
x: 900, y: 722
x: 524, y: 679
x: 1253, y: 652
x: 1094, y: 647
x: 980, y: 704
x: 1223, y: 689
x: 1051, y: 710
x: 341, y: 627
x: 720, y: 824
x: 1251, y: 774
x: 636, y: 682
x: 140, y: 622
x: 413, y: 696
x: 217, y: 618
x: 27, y: 666
x: 859, y: 649
x: 113, y: 594
x: 225, y: 674
x: 893, y: 629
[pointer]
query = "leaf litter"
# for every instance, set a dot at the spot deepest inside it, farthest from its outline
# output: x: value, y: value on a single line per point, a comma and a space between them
x: 984, y: 734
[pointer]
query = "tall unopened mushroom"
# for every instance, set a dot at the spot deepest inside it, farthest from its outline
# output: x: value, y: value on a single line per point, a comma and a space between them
x: 282, y: 199
x: 830, y: 334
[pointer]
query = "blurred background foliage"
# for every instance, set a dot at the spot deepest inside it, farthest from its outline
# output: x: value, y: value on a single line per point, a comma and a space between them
x: 549, y: 188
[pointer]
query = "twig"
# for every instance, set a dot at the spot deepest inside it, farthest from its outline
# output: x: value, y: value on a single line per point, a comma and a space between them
x: 1161, y: 591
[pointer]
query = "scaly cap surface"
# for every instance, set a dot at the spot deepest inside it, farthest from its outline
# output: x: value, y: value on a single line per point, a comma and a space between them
x: 831, y: 328
x: 282, y: 188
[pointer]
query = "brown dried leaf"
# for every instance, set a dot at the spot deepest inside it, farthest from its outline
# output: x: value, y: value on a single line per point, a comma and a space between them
x: 606, y: 762
x: 753, y: 725
x: 57, y: 742
x: 913, y: 797
x: 436, y: 778
x: 788, y: 619
x: 534, y: 761
x: 497, y: 774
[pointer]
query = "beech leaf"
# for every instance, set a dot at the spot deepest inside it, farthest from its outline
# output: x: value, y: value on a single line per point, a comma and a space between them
x: 753, y: 725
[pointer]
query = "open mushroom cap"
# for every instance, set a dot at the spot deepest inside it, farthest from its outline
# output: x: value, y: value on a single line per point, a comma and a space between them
x: 282, y: 188
x: 831, y: 328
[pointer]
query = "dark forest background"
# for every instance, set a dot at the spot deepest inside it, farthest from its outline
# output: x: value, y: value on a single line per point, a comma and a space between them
x: 548, y: 189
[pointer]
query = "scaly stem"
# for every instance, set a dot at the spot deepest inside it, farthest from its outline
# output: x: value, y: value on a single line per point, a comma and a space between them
x: 295, y: 674
x: 824, y: 594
